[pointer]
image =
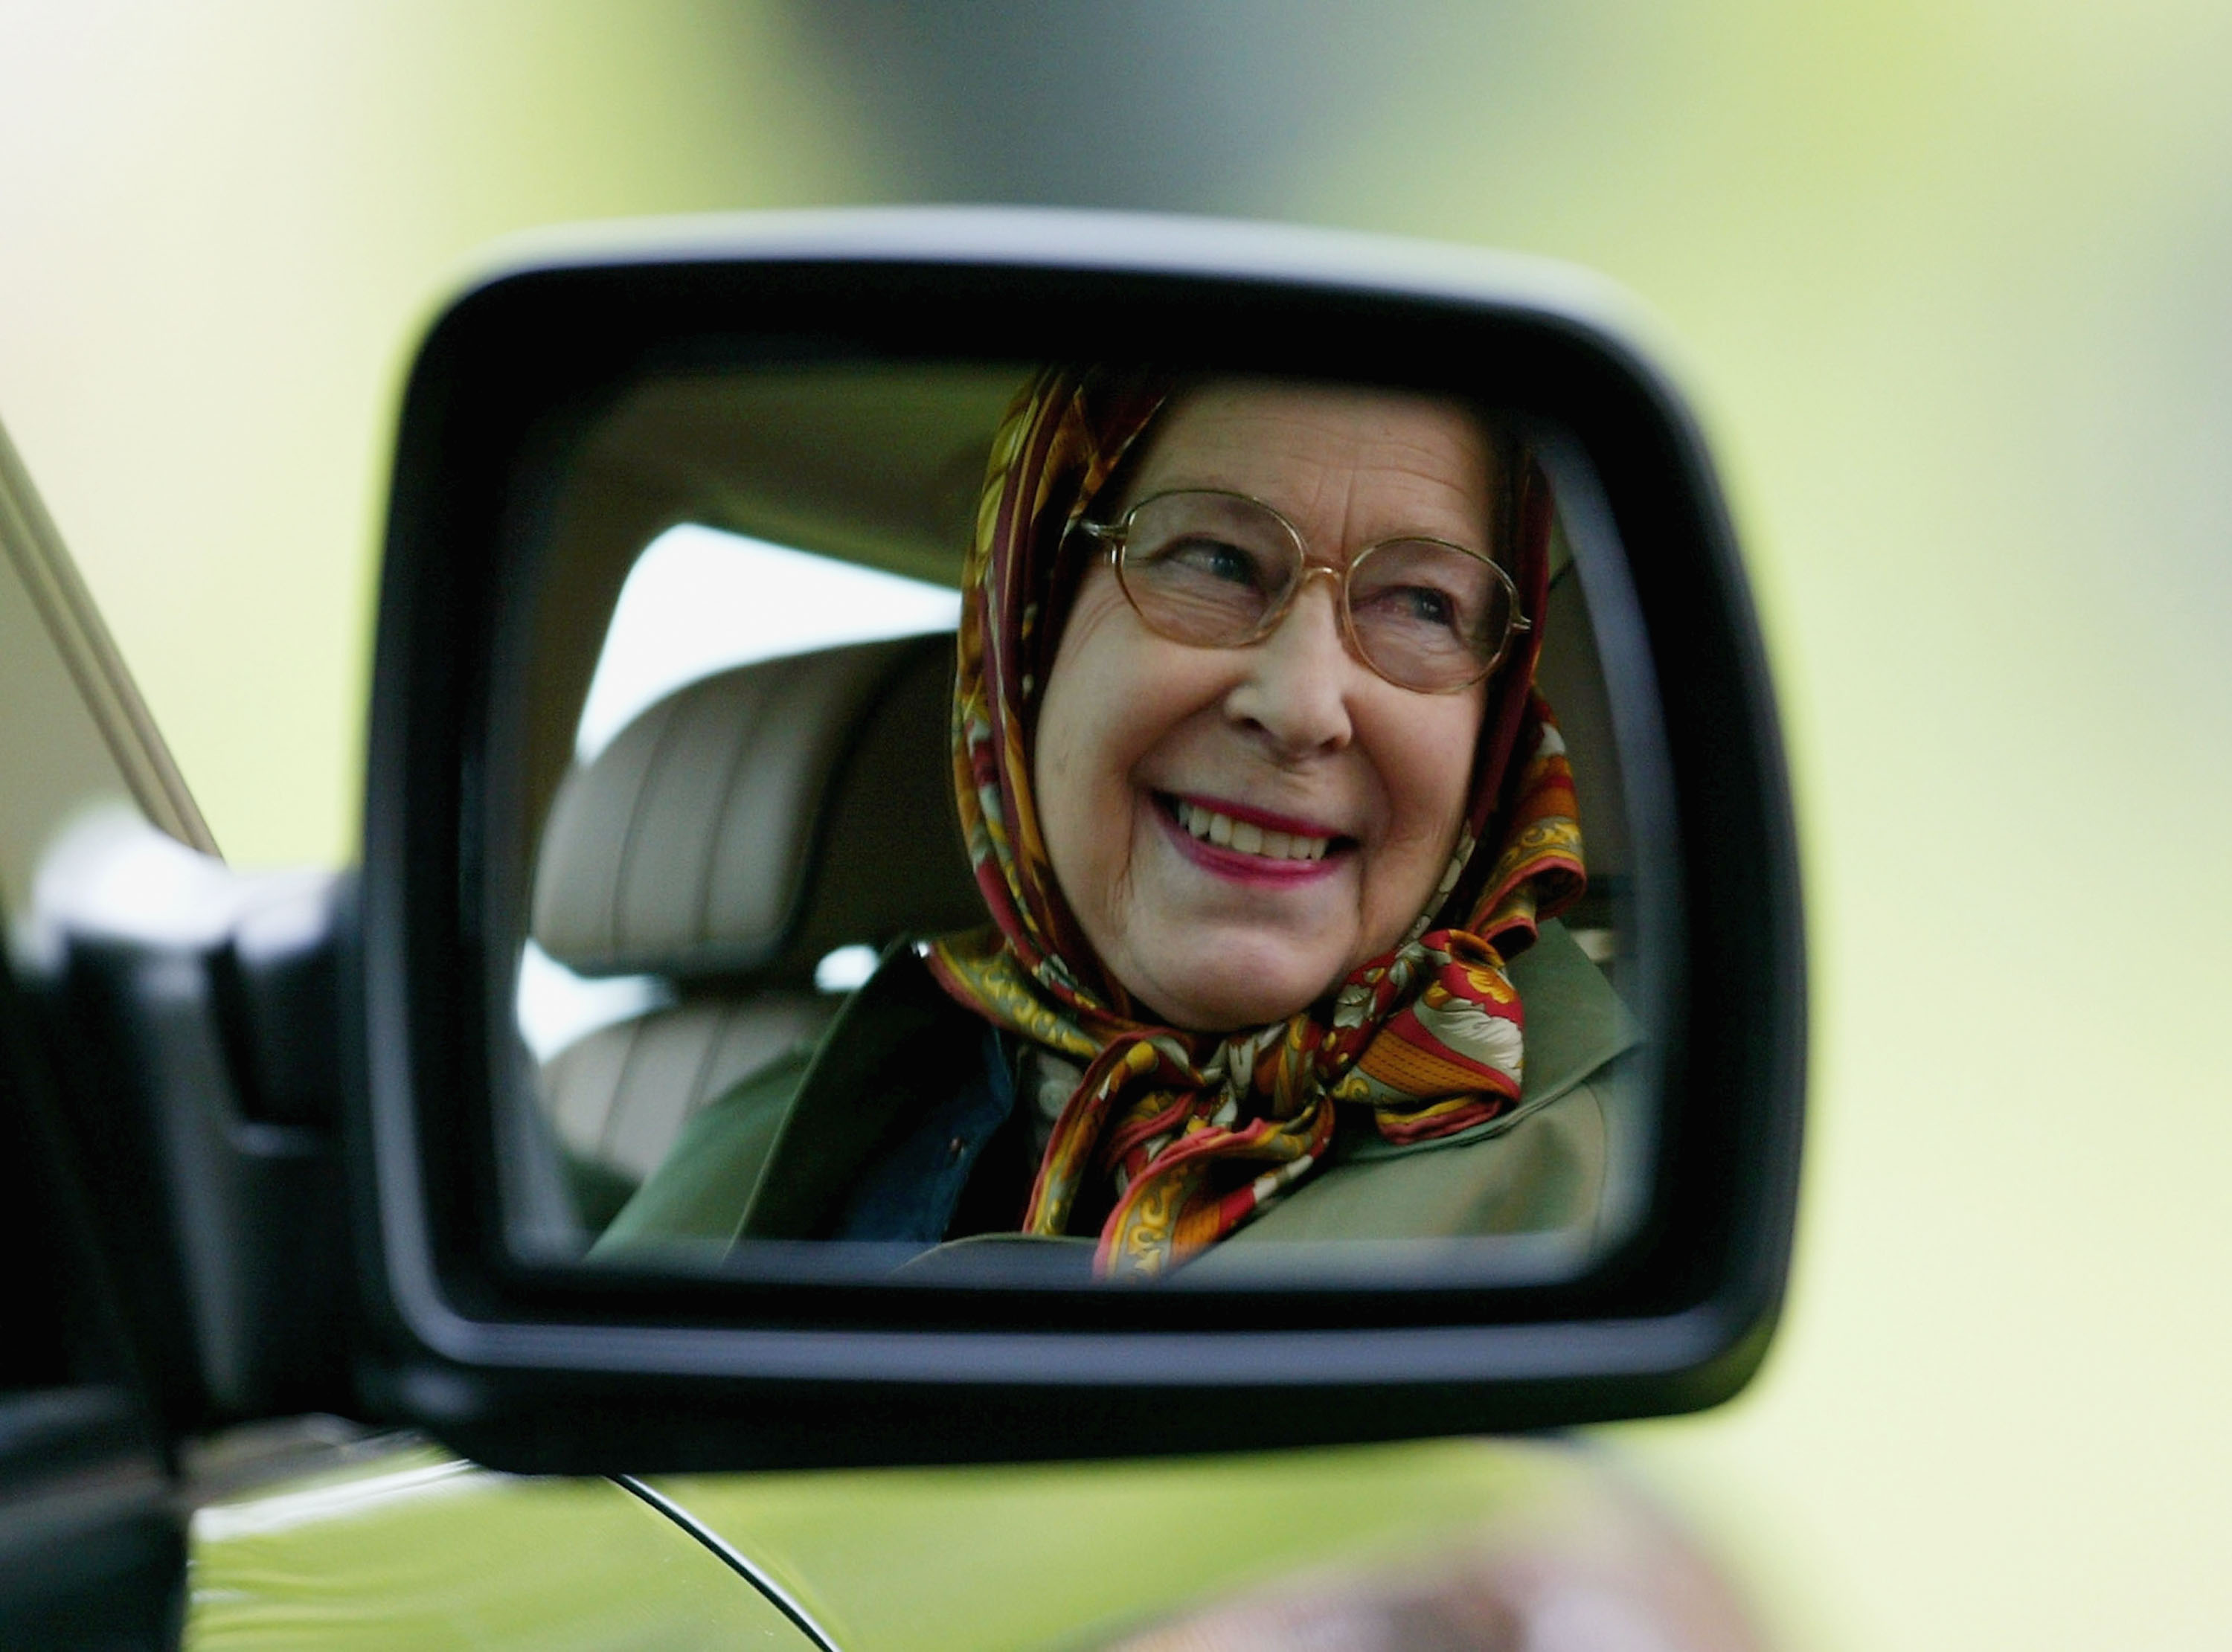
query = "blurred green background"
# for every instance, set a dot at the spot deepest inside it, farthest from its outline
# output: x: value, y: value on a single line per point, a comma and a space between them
x: 1953, y: 286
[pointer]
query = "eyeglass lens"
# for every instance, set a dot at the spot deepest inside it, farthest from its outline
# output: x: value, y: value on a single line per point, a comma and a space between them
x: 1214, y: 569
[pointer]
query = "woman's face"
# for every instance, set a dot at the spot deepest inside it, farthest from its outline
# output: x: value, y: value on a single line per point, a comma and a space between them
x: 1142, y: 742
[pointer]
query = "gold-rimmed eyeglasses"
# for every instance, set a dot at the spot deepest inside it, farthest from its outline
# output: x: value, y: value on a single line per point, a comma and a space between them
x: 1220, y: 570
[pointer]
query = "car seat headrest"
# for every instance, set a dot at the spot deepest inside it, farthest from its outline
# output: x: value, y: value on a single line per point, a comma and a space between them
x: 750, y: 823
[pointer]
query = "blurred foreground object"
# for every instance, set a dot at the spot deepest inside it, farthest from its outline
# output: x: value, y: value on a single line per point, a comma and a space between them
x: 1598, y: 1569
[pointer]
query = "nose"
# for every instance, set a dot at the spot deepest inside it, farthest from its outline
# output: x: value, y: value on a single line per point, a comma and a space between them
x: 1295, y: 686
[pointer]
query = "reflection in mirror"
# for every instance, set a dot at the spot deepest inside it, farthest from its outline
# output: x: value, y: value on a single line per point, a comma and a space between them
x: 1041, y: 826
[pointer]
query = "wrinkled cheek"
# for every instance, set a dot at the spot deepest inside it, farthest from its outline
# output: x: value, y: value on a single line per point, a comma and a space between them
x: 1120, y: 898
x: 1093, y: 853
x: 1127, y: 873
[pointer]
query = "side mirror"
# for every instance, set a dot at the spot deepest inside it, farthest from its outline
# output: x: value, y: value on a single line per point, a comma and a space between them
x: 661, y: 760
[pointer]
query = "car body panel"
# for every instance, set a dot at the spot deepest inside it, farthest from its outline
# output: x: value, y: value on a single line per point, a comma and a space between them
x: 418, y: 1548
x: 986, y: 1559
x: 423, y: 1549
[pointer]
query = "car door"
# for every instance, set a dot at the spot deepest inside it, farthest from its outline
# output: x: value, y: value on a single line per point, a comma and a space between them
x: 175, y: 1066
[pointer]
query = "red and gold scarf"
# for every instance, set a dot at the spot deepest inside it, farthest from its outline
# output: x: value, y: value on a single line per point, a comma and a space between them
x: 1181, y: 1137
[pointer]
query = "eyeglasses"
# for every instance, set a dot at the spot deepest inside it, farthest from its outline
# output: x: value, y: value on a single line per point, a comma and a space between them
x: 1220, y: 570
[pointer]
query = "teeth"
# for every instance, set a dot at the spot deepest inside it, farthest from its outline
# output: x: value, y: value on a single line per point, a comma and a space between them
x: 1248, y: 838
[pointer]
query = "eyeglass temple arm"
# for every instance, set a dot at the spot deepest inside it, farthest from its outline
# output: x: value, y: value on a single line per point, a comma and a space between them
x: 1108, y: 535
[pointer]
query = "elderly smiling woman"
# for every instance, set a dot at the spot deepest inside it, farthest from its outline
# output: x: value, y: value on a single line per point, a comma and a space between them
x: 1264, y: 809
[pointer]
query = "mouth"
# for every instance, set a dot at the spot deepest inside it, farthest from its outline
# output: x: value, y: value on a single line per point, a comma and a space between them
x: 1247, y: 843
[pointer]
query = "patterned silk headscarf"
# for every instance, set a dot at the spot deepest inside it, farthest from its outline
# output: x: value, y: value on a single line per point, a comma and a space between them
x: 1173, y: 1139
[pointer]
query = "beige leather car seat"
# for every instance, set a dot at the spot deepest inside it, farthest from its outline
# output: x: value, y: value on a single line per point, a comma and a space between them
x: 746, y: 826
x: 725, y: 841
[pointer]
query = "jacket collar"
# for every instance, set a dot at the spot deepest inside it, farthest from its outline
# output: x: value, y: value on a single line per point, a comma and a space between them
x: 901, y: 1044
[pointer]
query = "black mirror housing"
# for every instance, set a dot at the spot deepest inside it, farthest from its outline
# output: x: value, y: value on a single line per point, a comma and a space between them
x: 553, y: 1370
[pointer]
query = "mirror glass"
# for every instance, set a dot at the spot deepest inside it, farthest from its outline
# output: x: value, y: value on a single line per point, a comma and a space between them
x: 1270, y: 909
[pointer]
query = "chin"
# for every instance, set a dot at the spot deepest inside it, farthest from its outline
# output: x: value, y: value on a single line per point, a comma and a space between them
x: 1246, y: 983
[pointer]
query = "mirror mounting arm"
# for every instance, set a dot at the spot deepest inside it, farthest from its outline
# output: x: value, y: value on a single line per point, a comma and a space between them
x: 198, y: 1010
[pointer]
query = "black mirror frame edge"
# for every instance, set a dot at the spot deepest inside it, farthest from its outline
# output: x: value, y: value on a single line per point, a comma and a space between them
x: 577, y: 1375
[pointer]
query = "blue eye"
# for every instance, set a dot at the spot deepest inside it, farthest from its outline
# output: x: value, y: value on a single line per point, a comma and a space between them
x: 1425, y: 605
x: 1408, y: 605
x: 1215, y: 558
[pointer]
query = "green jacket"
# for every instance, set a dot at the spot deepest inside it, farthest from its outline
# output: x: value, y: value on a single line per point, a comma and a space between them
x: 775, y: 1157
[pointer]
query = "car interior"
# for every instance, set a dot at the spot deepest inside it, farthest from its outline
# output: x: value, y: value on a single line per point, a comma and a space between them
x: 750, y: 824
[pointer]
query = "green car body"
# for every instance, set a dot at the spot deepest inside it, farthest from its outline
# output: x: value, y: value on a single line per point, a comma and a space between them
x: 416, y: 1548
